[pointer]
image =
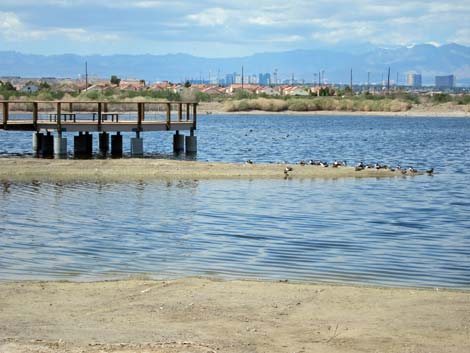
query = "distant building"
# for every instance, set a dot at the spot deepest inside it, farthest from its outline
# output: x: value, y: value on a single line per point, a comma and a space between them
x: 30, y: 88
x: 414, y: 80
x: 264, y: 79
x: 445, y: 81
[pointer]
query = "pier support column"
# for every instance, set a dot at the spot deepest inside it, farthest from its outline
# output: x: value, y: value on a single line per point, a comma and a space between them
x: 47, y: 145
x: 137, y: 146
x: 37, y: 142
x: 60, y: 147
x: 104, y: 142
x: 89, y: 143
x: 178, y: 142
x: 191, y: 143
x: 116, y: 145
x: 80, y: 147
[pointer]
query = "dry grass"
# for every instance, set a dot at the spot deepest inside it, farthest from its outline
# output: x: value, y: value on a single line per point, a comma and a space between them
x: 317, y: 104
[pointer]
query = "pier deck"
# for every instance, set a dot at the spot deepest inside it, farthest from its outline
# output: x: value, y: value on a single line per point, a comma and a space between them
x: 85, y: 117
x: 71, y: 120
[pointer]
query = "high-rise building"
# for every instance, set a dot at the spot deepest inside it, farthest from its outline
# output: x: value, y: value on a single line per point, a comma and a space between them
x: 414, y: 80
x: 445, y: 81
x: 265, y: 79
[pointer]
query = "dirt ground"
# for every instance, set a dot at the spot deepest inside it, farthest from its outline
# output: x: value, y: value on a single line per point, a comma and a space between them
x: 32, y: 169
x: 202, y: 315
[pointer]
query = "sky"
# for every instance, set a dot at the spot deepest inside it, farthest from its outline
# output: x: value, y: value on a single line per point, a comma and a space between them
x: 213, y: 28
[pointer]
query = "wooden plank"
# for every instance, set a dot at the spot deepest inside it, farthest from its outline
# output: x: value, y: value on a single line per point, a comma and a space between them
x: 187, y: 111
x: 194, y: 115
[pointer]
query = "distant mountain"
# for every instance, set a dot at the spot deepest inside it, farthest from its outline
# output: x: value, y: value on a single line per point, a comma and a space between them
x: 426, y: 59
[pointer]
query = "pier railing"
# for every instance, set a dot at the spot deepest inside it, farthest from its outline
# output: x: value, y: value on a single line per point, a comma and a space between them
x: 34, y: 115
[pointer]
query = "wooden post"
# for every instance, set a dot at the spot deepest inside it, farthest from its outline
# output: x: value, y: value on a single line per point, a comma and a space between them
x: 105, y: 111
x: 99, y: 116
x: 168, y: 116
x: 59, y: 123
x: 194, y: 115
x: 70, y: 107
x: 5, y: 115
x: 35, y: 115
x: 180, y: 111
x: 187, y: 111
x: 140, y: 114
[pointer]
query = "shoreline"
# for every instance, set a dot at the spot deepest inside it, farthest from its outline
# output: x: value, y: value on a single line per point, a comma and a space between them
x: 406, y: 114
x: 217, y: 108
x: 210, y: 315
x: 138, y: 169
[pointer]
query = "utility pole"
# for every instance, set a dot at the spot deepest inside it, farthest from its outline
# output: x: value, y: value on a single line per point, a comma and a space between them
x: 319, y: 78
x: 396, y: 83
x: 388, y: 81
x: 368, y: 81
x: 292, y: 81
x: 242, y: 76
x: 86, y: 76
x: 350, y: 82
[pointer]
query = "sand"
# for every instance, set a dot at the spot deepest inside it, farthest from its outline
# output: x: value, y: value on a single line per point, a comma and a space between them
x: 201, y: 315
x: 131, y: 169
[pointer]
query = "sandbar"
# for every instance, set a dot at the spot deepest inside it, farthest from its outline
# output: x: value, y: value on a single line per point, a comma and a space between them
x: 135, y: 169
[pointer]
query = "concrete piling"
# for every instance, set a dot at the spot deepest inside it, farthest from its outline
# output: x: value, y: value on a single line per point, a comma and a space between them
x: 116, y: 145
x: 60, y: 147
x: 137, y: 147
x: 80, y: 145
x: 104, y: 142
x: 47, y: 144
x: 89, y: 143
x: 178, y: 142
x: 191, y: 143
x: 37, y: 142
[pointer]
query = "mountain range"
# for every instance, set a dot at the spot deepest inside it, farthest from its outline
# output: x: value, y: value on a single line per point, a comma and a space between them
x: 335, y: 65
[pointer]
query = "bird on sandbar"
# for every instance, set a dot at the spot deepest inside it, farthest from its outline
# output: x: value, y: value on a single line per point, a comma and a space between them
x: 359, y: 166
x: 430, y: 171
x: 302, y: 163
x: 324, y: 164
x: 412, y: 170
x: 287, y: 170
x: 249, y: 161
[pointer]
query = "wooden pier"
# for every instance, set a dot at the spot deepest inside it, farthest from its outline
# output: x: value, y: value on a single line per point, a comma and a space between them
x: 46, y: 117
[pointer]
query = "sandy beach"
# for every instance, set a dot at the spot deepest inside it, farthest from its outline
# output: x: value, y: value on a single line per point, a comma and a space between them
x: 32, y: 169
x: 201, y: 315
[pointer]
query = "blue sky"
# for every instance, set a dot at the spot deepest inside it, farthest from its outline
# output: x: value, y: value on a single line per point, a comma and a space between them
x: 213, y: 28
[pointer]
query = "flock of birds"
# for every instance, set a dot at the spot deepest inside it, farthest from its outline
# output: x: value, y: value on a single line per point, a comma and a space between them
x: 360, y: 166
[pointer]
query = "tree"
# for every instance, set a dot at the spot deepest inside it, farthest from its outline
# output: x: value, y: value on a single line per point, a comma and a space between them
x: 44, y: 85
x: 7, y: 86
x: 187, y: 84
x: 115, y: 80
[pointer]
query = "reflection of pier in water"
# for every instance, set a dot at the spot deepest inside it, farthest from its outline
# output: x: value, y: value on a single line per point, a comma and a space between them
x: 86, y: 117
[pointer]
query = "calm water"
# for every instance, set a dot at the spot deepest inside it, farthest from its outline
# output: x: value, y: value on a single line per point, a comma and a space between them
x: 400, y: 231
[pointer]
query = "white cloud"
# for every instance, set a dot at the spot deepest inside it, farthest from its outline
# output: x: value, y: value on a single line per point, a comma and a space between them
x: 13, y: 29
x: 211, y: 17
